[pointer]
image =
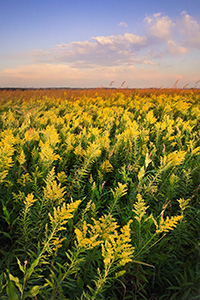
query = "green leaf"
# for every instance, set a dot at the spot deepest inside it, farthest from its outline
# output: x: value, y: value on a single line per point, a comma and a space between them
x: 141, y: 174
x: 144, y: 264
x: 20, y: 266
x: 6, y: 214
x: 51, y: 284
x: 2, y: 286
x: 11, y: 291
x: 33, y: 292
x: 6, y: 234
x: 16, y: 281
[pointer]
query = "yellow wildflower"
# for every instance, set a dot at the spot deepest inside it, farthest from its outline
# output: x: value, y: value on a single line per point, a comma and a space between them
x: 29, y: 200
x: 106, y: 166
x: 47, y: 154
x: 25, y: 179
x: 167, y: 224
x: 61, y: 215
x: 22, y: 158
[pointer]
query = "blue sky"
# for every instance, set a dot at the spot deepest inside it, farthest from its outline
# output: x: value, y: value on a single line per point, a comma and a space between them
x: 89, y: 43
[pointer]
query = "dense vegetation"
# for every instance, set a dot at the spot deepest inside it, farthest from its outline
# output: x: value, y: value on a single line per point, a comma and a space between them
x: 100, y: 194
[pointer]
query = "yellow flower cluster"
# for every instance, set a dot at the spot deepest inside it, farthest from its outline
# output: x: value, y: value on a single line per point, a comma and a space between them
x: 116, y: 247
x: 167, y: 224
x: 173, y: 159
x: 84, y: 241
x: 53, y: 192
x: 139, y: 208
x: 119, y: 191
x: 62, y: 214
x: 25, y: 179
x: 47, y: 154
x: 29, y: 200
x: 183, y: 203
x: 6, y: 152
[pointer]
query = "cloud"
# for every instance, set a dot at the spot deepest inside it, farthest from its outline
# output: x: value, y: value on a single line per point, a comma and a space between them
x: 185, y: 29
x: 172, y: 37
x: 122, y: 41
x: 100, y: 50
x: 39, y: 75
x: 162, y: 37
x: 189, y: 30
x: 43, y: 75
x: 122, y: 24
x: 44, y: 70
x: 174, y: 49
x: 159, y: 26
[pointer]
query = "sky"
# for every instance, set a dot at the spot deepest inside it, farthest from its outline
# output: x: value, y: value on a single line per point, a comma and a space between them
x: 99, y: 43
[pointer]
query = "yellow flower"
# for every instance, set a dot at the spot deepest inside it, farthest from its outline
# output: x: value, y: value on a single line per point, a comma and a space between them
x: 183, y: 204
x: 47, y: 154
x: 173, y: 159
x: 29, y: 200
x: 118, y: 248
x: 25, y: 179
x: 79, y: 151
x: 51, y: 135
x: 104, y: 227
x: 22, y: 158
x: 139, y: 208
x: 167, y: 224
x: 106, y: 167
x: 119, y: 191
x: 53, y: 192
x: 61, y: 215
x: 62, y: 177
x: 150, y: 117
x: 57, y: 243
x: 84, y: 241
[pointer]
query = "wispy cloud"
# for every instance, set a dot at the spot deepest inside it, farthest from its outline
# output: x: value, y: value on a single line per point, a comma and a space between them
x: 31, y: 71
x: 123, y: 24
x: 41, y: 75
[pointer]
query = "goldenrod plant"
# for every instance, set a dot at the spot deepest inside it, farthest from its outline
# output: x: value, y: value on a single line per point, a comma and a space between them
x: 100, y: 194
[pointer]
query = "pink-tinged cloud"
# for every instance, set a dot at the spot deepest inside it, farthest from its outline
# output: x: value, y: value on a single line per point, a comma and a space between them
x: 60, y: 75
x: 175, y: 49
x: 36, y: 75
x: 41, y: 70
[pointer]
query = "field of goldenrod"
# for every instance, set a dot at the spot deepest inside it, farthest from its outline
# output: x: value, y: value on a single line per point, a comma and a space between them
x: 100, y: 194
